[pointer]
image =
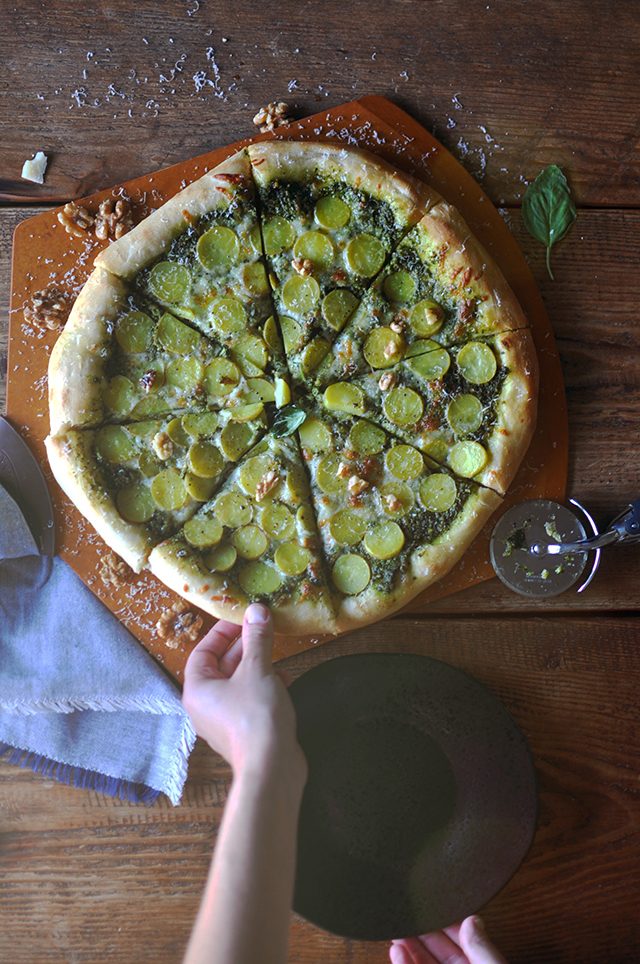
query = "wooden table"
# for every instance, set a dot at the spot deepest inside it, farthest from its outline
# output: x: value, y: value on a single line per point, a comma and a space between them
x: 113, y: 92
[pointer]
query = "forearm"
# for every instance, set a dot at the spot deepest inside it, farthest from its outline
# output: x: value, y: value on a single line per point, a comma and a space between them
x: 244, y: 915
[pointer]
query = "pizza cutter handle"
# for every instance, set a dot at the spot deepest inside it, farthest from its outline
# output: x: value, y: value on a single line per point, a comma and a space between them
x: 624, y: 528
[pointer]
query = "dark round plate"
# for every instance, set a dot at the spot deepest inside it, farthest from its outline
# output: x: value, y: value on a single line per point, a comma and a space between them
x: 421, y: 799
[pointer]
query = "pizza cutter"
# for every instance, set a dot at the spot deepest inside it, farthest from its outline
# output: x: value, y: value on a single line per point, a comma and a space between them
x: 542, y: 548
x: 22, y: 478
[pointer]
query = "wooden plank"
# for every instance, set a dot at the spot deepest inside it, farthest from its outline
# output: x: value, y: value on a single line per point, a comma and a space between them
x: 509, y: 90
x: 88, y: 877
x: 592, y: 305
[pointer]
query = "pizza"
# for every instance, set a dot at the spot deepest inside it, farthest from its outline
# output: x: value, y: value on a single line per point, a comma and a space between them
x: 300, y: 381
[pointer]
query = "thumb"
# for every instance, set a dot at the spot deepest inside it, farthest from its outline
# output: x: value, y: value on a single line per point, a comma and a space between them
x: 475, y: 942
x: 257, y: 637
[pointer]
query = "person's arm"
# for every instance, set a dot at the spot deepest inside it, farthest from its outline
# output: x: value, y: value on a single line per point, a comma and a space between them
x: 242, y: 709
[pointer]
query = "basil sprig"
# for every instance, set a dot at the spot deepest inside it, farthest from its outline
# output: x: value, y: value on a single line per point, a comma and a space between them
x: 548, y: 210
x: 287, y: 420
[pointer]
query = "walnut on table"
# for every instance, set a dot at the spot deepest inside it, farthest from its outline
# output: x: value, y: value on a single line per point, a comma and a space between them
x: 114, y: 218
x: 113, y: 572
x: 75, y: 219
x: 273, y: 115
x: 179, y: 625
x: 48, y: 309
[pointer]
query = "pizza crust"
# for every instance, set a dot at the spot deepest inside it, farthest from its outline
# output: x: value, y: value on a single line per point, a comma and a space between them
x: 153, y: 236
x: 516, y: 413
x: 297, y: 160
x: 428, y: 565
x: 76, y: 366
x: 73, y: 466
x: 468, y: 265
x: 209, y: 593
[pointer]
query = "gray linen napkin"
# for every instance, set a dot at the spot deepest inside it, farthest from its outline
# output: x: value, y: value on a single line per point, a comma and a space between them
x: 80, y: 700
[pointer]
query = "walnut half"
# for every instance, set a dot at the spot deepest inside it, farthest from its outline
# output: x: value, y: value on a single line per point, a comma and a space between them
x: 179, y: 625
x: 75, y: 219
x: 387, y: 381
x: 48, y: 309
x: 273, y: 115
x: 113, y: 570
x: 113, y: 219
x: 162, y: 445
x: 303, y: 266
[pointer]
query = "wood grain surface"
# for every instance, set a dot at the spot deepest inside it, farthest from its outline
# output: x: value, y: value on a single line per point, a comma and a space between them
x: 87, y: 878
x: 111, y: 91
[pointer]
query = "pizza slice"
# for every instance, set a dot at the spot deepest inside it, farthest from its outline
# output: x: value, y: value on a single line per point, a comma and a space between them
x: 200, y: 256
x: 471, y: 407
x: 440, y: 286
x: 138, y: 483
x: 391, y: 520
x: 330, y: 219
x: 121, y: 357
x: 255, y: 541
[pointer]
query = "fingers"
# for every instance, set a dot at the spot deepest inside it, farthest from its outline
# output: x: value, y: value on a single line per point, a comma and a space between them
x: 231, y: 659
x: 476, y: 944
x: 203, y: 660
x: 410, y: 951
x: 399, y: 955
x: 257, y: 637
x: 443, y: 948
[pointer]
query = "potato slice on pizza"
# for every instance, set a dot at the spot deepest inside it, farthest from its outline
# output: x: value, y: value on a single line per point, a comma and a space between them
x: 138, y: 483
x: 440, y: 286
x: 330, y: 219
x: 200, y: 256
x: 254, y: 541
x: 471, y: 407
x: 391, y: 520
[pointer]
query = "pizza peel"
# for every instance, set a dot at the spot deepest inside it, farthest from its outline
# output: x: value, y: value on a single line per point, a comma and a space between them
x: 43, y: 253
x: 421, y: 800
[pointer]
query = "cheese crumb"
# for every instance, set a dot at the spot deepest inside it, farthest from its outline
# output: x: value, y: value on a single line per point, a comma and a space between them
x: 33, y: 169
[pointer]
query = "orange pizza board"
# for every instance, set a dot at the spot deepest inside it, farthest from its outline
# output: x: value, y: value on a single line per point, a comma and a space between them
x: 43, y: 254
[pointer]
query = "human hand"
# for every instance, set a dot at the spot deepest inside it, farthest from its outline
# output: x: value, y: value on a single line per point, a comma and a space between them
x: 465, y: 943
x: 236, y: 701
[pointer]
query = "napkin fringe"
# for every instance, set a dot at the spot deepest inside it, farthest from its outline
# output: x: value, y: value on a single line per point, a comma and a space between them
x: 125, y: 790
x: 177, y: 776
x: 109, y: 704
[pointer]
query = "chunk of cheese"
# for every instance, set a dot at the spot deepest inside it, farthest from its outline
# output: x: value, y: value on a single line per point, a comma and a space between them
x: 33, y: 170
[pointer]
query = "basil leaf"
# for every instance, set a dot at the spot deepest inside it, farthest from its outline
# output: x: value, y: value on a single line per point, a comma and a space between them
x: 548, y: 210
x: 287, y: 420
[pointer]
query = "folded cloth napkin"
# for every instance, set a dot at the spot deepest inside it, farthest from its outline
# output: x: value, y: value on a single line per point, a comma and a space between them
x: 80, y: 700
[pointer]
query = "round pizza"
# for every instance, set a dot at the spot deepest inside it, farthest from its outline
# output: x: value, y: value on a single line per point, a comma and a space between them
x: 301, y: 381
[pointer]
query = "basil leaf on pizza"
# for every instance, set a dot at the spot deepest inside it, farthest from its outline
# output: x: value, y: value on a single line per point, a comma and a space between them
x: 287, y: 420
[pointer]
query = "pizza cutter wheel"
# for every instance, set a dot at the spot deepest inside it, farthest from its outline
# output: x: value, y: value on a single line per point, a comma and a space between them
x: 542, y: 548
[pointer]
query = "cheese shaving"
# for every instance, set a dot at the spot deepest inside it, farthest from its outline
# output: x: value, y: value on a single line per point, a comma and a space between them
x: 33, y: 169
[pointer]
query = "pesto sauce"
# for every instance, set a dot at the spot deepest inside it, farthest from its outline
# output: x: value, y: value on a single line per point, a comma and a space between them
x: 420, y: 528
x: 430, y: 286
x: 182, y: 249
x: 293, y: 200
